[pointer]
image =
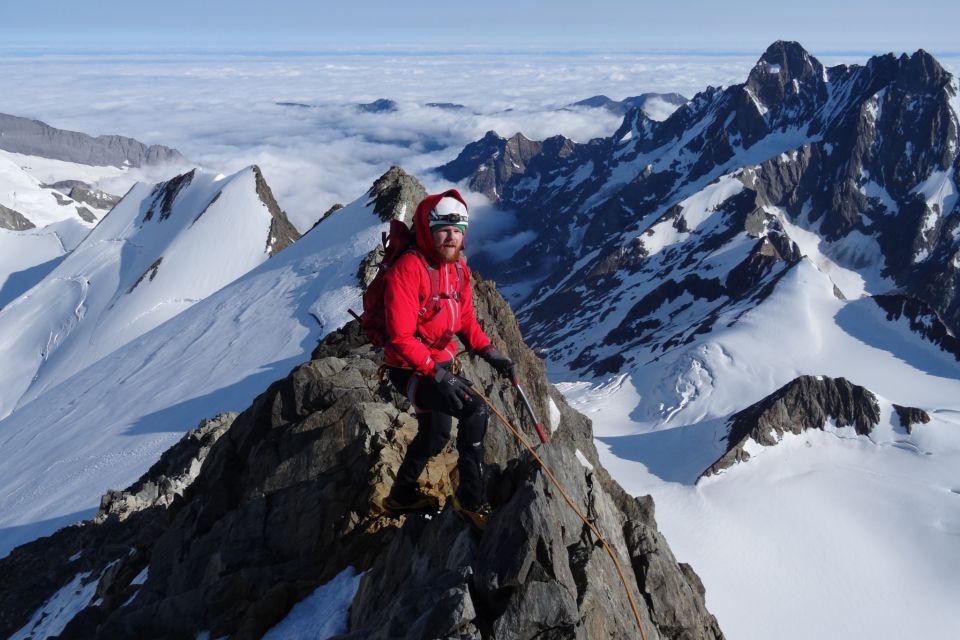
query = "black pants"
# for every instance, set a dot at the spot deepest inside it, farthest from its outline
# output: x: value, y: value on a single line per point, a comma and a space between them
x: 434, y: 421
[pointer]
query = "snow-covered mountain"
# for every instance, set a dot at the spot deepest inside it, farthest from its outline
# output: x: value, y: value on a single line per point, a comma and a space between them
x: 48, y: 197
x: 162, y: 248
x: 134, y: 384
x: 656, y: 106
x: 801, y: 224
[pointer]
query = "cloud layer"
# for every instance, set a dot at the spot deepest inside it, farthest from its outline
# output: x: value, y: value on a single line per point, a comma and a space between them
x: 222, y: 112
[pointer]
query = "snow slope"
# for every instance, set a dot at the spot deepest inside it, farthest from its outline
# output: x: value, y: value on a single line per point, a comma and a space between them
x: 105, y: 425
x: 826, y: 534
x: 21, y: 186
x: 161, y: 249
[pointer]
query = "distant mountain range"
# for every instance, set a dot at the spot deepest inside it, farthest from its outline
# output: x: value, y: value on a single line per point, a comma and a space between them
x: 35, y: 138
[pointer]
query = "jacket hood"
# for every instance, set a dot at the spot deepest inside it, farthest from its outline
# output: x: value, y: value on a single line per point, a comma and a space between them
x: 421, y: 223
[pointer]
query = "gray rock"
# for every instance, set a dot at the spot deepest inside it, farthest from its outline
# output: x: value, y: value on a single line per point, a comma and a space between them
x: 14, y: 220
x: 282, y: 233
x: 93, y: 197
x: 395, y: 196
x: 805, y: 403
x: 86, y: 215
x: 170, y: 476
x: 910, y: 416
x: 35, y: 138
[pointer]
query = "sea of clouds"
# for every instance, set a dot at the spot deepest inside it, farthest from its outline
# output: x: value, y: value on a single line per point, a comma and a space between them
x: 222, y: 111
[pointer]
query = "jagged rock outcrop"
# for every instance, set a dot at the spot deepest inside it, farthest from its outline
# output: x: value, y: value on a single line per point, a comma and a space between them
x: 804, y: 403
x: 395, y: 196
x: 169, y: 477
x: 282, y: 232
x: 910, y: 416
x: 14, y: 220
x: 83, y: 193
x: 491, y: 164
x: 35, y: 138
x: 288, y: 497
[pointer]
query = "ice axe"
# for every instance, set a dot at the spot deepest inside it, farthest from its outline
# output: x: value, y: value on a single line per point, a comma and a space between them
x: 526, y: 403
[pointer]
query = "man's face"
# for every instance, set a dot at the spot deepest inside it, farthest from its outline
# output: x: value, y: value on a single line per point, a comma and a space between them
x: 448, y: 242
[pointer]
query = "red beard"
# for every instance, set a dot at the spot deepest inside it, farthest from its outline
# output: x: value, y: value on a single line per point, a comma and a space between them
x: 454, y: 258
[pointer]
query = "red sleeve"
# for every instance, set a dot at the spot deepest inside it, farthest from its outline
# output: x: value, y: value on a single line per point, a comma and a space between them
x: 470, y: 330
x: 401, y: 310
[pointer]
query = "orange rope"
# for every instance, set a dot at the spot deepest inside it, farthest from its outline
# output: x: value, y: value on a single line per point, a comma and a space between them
x: 586, y: 521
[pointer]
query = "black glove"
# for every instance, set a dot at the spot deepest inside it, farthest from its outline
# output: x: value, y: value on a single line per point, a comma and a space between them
x: 500, y: 362
x: 453, y: 389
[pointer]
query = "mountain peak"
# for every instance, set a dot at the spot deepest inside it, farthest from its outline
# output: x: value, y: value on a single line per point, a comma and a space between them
x: 784, y: 61
x: 396, y: 194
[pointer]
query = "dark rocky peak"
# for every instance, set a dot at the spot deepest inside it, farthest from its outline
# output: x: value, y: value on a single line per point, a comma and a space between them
x: 381, y: 105
x: 782, y: 62
x: 396, y: 195
x: 785, y: 88
x: 492, y: 164
x: 807, y: 402
x: 164, y: 195
x: 287, y: 499
x: 921, y: 72
x: 282, y: 233
x: 473, y: 156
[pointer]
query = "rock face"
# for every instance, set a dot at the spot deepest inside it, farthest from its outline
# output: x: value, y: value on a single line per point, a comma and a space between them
x: 492, y: 163
x: 14, y: 220
x: 35, y: 138
x: 288, y: 497
x: 805, y: 403
x: 170, y: 476
x: 282, y: 232
x: 922, y: 318
x: 395, y: 196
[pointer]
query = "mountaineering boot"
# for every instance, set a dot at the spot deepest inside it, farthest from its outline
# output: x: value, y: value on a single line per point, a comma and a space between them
x: 475, y: 517
x: 400, y: 502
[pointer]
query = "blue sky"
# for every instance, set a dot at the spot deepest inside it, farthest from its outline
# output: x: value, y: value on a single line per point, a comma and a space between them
x: 822, y: 26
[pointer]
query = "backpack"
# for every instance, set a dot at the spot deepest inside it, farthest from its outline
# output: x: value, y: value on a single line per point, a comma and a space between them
x: 373, y: 322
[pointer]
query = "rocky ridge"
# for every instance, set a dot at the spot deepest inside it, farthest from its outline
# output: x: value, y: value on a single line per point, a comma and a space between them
x: 288, y: 497
x: 35, y: 138
x: 807, y: 402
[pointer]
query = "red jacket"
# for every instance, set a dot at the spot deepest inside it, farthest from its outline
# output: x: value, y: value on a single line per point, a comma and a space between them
x: 412, y: 339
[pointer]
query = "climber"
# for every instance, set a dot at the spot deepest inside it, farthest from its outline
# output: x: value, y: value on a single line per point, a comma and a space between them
x: 427, y: 300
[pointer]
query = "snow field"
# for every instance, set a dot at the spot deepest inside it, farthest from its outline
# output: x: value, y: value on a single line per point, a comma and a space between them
x: 827, y: 533
x: 102, y: 427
